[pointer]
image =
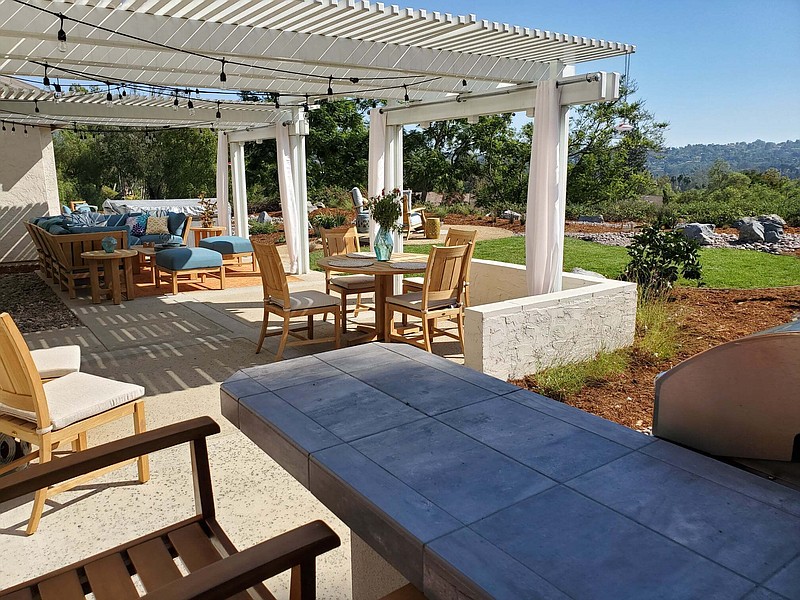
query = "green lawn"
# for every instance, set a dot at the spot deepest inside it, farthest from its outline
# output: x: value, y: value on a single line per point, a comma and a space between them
x: 722, y: 267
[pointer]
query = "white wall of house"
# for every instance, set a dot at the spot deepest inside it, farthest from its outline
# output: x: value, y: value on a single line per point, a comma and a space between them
x: 28, y: 188
x: 509, y: 335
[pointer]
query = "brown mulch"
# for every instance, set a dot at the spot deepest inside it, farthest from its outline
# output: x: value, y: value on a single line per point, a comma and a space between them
x: 480, y: 221
x: 32, y: 304
x: 707, y: 318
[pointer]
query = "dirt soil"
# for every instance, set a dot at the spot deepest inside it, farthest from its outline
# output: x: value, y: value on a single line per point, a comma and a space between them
x: 32, y: 304
x: 707, y: 318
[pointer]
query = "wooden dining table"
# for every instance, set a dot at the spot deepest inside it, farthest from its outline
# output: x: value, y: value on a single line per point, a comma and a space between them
x: 384, y: 273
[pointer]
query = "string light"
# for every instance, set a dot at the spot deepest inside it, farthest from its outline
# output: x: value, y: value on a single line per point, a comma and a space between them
x: 62, y: 35
x: 354, y: 80
x: 13, y: 128
x: 25, y: 130
x: 175, y: 103
x: 124, y: 93
x: 463, y: 83
x: 223, y: 78
x: 190, y: 104
x: 406, y: 98
x: 219, y: 114
x: 305, y: 104
x: 36, y: 106
x: 46, y: 80
x: 4, y: 125
x: 57, y: 87
x: 276, y: 97
x: 109, y: 97
x: 330, y: 85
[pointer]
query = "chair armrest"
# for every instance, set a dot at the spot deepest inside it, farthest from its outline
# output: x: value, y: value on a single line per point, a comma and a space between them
x: 250, y: 567
x: 40, y: 476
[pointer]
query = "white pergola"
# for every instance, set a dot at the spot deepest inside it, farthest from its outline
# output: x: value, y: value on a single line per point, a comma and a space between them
x: 303, y: 47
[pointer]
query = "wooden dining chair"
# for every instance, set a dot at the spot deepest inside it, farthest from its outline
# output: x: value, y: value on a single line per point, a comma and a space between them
x: 190, y: 559
x: 46, y: 414
x: 455, y: 237
x: 441, y: 298
x: 338, y: 241
x: 278, y: 300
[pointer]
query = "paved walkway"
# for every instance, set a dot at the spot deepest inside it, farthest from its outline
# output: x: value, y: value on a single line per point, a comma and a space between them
x: 179, y: 348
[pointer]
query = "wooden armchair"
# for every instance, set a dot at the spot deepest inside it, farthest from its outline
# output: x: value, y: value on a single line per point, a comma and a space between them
x: 344, y: 240
x: 278, y: 300
x: 455, y: 237
x: 413, y: 218
x: 215, y: 568
x: 46, y: 414
x: 441, y: 298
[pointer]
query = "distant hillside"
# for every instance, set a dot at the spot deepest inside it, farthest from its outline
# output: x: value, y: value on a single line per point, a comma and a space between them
x: 741, y: 156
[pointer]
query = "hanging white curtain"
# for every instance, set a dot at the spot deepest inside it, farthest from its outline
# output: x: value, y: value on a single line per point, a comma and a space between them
x: 544, y: 229
x: 223, y: 208
x: 288, y: 197
x: 377, y: 159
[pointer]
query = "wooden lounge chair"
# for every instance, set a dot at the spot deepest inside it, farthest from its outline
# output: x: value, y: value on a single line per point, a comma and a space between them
x: 278, y: 300
x: 441, y: 298
x: 455, y: 237
x: 339, y: 241
x: 216, y: 569
x: 45, y: 414
x: 413, y: 218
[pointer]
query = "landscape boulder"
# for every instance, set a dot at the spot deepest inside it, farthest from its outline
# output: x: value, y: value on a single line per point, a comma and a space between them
x: 591, y: 219
x: 263, y: 217
x: 510, y: 215
x: 773, y: 227
x: 702, y: 233
x: 750, y: 231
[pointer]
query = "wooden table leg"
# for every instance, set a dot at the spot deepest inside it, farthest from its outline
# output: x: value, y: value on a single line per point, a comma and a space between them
x: 94, y: 278
x: 383, y: 283
x: 128, y: 264
x: 116, y: 287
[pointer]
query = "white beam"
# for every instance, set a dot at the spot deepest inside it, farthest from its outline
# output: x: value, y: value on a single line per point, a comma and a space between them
x: 239, y: 190
x: 253, y: 135
x: 575, y: 90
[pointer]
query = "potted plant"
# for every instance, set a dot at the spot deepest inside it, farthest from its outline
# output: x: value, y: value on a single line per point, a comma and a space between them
x: 208, y: 212
x: 386, y: 210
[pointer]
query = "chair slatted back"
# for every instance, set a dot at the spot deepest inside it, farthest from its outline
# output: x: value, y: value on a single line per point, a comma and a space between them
x: 461, y: 237
x: 186, y: 229
x: 339, y: 240
x: 20, y: 383
x: 444, y: 275
x: 273, y: 276
x: 68, y: 247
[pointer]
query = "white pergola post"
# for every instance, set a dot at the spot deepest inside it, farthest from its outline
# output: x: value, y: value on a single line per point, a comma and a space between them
x: 239, y: 189
x: 298, y: 130
x: 223, y: 208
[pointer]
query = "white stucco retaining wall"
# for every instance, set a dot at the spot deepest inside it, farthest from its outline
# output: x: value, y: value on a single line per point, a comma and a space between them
x: 509, y: 335
x: 28, y: 188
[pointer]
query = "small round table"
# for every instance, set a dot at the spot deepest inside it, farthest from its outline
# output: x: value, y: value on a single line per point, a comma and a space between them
x: 204, y: 232
x: 111, y: 262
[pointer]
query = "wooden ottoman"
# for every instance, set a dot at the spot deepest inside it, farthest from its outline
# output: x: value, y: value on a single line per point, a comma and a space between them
x: 192, y: 262
x: 230, y: 247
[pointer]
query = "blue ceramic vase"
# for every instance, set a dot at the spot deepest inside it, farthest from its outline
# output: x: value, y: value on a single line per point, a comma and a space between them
x: 109, y: 244
x: 384, y: 244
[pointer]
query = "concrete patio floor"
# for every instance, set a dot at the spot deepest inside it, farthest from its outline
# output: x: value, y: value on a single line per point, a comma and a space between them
x: 180, y: 348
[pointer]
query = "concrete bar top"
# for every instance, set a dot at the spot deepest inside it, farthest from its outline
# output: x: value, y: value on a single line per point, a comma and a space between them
x: 474, y: 488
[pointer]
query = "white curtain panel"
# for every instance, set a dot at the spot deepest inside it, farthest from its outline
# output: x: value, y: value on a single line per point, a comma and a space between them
x: 544, y: 229
x: 223, y: 207
x: 377, y: 161
x: 288, y: 197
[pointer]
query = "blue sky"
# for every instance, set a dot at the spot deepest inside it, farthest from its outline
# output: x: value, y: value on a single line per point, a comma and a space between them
x: 718, y: 71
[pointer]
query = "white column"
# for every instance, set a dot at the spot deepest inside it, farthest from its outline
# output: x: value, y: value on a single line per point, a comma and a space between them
x: 239, y: 190
x: 396, y: 165
x: 223, y: 208
x: 297, y: 144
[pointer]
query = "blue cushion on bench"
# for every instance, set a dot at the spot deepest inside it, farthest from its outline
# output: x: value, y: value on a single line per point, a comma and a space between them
x: 227, y: 244
x: 186, y: 259
x: 176, y: 223
x: 96, y: 229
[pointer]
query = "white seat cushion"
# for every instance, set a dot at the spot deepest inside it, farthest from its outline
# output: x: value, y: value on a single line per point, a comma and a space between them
x: 78, y: 396
x: 414, y: 300
x: 354, y: 282
x: 58, y: 361
x: 307, y: 299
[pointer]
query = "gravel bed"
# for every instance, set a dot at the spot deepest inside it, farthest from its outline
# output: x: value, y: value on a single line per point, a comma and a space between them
x: 788, y: 244
x: 32, y: 304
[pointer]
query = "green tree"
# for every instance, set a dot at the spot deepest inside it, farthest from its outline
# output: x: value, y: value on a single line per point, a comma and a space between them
x: 606, y: 166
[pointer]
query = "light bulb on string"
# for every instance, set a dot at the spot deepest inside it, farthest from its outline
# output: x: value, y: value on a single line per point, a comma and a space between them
x: 463, y: 83
x: 219, y: 114
x: 354, y: 80
x: 25, y: 130
x: 62, y: 35
x: 36, y: 106
x: 57, y: 87
x: 13, y: 128
x: 330, y: 85
x: 4, y: 125
x: 406, y: 98
x: 46, y: 80
x: 124, y: 93
x: 190, y: 105
x: 305, y: 105
x: 109, y: 97
x: 175, y: 102
x: 223, y: 78
x: 277, y: 97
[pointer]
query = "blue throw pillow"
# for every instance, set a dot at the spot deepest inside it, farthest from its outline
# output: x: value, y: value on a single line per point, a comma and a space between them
x: 175, y: 223
x: 87, y: 219
x: 66, y: 210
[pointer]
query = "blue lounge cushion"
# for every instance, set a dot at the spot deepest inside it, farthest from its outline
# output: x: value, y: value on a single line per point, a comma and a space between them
x: 114, y: 220
x: 96, y: 229
x: 57, y: 229
x: 175, y: 223
x: 185, y: 259
x: 227, y: 244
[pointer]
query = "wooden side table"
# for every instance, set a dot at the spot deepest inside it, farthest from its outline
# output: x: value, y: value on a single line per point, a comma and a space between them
x: 204, y: 232
x: 111, y: 262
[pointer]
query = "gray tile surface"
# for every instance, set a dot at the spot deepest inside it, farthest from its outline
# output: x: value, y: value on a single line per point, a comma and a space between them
x: 590, y: 551
x: 734, y: 530
x: 473, y: 490
x: 466, y: 478
x: 534, y: 438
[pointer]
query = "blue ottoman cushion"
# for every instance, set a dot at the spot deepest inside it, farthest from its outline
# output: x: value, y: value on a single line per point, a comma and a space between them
x: 186, y: 259
x: 227, y: 244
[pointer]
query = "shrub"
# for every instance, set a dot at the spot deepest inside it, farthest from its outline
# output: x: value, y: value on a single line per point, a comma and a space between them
x: 257, y: 228
x: 328, y: 218
x: 332, y: 196
x: 656, y: 331
x: 657, y: 258
x: 565, y: 381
